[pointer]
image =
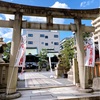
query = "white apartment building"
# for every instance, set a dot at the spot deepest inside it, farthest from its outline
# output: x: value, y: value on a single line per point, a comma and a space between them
x: 96, y: 24
x: 42, y: 39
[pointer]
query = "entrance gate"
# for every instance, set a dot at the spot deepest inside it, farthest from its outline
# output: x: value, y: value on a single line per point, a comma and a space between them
x: 17, y: 24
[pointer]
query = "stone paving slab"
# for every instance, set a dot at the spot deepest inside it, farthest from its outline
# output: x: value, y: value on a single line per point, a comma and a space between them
x: 63, y: 93
x: 40, y: 80
x: 43, y: 97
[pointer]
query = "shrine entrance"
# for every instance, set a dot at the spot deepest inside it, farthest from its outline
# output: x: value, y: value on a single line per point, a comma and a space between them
x: 17, y: 24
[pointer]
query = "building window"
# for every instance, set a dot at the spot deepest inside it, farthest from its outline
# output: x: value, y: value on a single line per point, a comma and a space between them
x: 30, y: 35
x: 30, y: 42
x: 56, y: 43
x: 51, y: 42
x: 42, y: 42
x: 55, y: 36
x: 41, y: 35
x: 46, y: 37
x: 46, y: 44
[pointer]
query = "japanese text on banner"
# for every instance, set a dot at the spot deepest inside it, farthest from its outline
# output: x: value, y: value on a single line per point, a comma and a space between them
x: 21, y: 56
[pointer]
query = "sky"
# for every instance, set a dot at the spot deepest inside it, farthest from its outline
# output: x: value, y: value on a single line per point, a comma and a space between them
x: 6, y: 33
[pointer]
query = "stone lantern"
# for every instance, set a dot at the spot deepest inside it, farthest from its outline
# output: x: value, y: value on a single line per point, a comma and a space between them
x: 2, y: 45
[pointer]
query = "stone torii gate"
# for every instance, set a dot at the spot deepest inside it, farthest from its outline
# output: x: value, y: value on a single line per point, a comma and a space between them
x: 17, y: 24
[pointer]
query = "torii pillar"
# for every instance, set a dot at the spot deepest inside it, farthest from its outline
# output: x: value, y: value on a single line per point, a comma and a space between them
x: 80, y: 54
x: 13, y: 71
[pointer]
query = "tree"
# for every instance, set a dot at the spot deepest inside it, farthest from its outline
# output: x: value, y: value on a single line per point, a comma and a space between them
x: 67, y: 54
x: 42, y: 59
x: 6, y: 54
x: 86, y: 35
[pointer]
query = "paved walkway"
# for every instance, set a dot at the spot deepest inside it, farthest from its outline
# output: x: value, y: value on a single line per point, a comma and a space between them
x: 69, y: 92
x: 41, y: 80
x: 62, y: 93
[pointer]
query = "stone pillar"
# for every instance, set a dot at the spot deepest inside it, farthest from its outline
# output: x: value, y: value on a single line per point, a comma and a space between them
x: 80, y: 53
x: 50, y: 20
x: 12, y: 71
x: 75, y: 72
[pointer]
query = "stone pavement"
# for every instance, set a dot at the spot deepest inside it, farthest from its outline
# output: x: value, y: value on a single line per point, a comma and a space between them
x: 62, y: 93
x: 37, y: 87
x: 41, y: 80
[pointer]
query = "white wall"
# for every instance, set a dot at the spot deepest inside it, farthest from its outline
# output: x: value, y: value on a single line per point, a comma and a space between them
x: 37, y: 40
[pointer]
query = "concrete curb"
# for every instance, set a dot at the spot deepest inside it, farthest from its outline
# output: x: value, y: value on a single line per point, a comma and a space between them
x: 38, y: 88
x: 81, y: 98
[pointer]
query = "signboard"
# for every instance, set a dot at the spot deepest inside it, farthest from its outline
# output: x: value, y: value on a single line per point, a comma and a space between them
x: 21, y: 56
x: 90, y: 53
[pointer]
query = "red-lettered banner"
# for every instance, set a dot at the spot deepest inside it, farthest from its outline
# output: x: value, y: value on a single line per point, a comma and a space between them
x: 21, y: 56
x: 90, y: 53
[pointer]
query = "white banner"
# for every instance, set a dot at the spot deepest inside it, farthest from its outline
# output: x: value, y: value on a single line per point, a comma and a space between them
x: 21, y: 56
x: 90, y: 53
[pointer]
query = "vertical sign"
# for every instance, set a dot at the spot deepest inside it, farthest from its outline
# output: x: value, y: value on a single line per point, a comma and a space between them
x: 21, y: 56
x: 90, y: 53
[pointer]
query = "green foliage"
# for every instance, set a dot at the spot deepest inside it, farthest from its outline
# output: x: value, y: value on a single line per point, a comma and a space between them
x: 7, y: 52
x: 85, y: 35
x: 67, y: 54
x: 68, y: 51
x: 42, y: 58
x: 48, y: 68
